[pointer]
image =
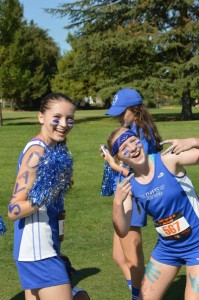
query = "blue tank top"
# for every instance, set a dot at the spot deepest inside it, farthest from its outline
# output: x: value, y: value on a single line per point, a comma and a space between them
x: 36, y: 236
x: 173, y: 204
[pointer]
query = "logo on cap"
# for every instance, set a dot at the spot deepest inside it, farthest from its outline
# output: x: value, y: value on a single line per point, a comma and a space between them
x: 115, y: 98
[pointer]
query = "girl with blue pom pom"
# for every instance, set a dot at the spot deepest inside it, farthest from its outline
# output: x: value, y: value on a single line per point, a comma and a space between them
x: 36, y: 206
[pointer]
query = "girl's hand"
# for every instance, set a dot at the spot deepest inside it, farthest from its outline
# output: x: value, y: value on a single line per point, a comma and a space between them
x: 123, y: 189
x: 106, y: 155
x: 180, y: 145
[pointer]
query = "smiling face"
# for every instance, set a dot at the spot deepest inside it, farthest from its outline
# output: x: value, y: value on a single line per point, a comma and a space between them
x: 57, y: 121
x: 128, y: 147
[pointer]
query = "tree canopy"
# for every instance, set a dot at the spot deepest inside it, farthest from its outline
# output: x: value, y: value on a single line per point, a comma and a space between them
x: 151, y: 45
x: 28, y: 56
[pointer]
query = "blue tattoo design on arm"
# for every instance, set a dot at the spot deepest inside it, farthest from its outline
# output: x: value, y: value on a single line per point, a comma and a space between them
x: 30, y: 158
x: 15, y: 207
x: 194, y: 283
x: 151, y: 271
x: 25, y: 176
x: 16, y: 189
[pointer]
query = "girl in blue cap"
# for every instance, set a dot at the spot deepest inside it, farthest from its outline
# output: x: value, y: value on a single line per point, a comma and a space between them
x: 162, y: 187
x: 127, y: 107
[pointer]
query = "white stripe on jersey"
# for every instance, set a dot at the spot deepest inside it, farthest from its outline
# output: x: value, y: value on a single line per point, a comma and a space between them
x: 187, y: 186
x: 36, y: 241
x: 33, y: 143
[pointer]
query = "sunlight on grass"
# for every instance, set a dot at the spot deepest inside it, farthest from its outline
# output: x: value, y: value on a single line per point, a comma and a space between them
x: 89, y: 232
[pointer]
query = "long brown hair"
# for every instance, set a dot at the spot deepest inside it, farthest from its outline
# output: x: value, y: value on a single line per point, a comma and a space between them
x: 144, y: 120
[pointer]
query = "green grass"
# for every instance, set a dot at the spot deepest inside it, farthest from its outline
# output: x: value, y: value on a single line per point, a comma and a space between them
x: 89, y: 231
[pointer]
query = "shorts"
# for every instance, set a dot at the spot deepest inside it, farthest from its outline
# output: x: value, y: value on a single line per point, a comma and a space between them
x: 175, y: 257
x: 42, y: 273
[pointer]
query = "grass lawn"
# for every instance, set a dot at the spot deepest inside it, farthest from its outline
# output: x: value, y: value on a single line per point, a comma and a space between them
x: 89, y: 231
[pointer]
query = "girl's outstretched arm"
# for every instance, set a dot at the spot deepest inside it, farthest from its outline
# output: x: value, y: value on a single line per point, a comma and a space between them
x: 180, y: 145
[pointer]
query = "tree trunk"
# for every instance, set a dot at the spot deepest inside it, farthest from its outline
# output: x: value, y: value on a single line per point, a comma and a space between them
x: 186, y: 113
x: 1, y: 118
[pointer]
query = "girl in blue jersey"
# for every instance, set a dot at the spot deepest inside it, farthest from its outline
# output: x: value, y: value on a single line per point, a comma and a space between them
x: 128, y: 109
x: 38, y: 228
x: 161, y: 186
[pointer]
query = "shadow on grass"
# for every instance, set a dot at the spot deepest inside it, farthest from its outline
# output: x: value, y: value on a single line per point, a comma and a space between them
x: 84, y: 273
x: 162, y: 117
x: 80, y: 275
x: 176, y: 289
x: 19, y: 296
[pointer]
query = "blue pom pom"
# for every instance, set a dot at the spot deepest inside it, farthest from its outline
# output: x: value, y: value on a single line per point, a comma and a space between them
x: 53, y: 177
x: 2, y: 226
x: 108, y: 180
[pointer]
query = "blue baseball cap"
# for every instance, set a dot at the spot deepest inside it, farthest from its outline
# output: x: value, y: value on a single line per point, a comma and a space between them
x: 122, y: 100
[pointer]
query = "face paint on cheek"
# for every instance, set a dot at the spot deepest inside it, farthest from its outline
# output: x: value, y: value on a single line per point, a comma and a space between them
x: 138, y: 143
x: 126, y: 152
x: 54, y: 123
x: 70, y: 123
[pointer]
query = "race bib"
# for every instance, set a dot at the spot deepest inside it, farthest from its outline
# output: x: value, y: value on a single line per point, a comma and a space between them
x: 62, y: 216
x: 173, y: 227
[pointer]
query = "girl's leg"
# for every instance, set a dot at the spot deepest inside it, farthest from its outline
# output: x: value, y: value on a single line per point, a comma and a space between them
x: 133, y: 253
x: 119, y: 258
x: 192, y: 283
x: 156, y: 280
x: 61, y: 292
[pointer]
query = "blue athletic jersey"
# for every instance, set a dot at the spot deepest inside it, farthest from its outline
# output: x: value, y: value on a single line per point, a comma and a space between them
x: 174, y: 206
x: 36, y: 236
x: 139, y: 218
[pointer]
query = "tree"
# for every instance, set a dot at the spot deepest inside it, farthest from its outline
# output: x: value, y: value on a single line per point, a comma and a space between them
x: 151, y: 45
x: 27, y: 65
x: 11, y: 19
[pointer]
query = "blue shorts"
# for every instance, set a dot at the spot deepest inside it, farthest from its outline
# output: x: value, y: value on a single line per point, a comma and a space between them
x: 174, y: 257
x: 42, y: 273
